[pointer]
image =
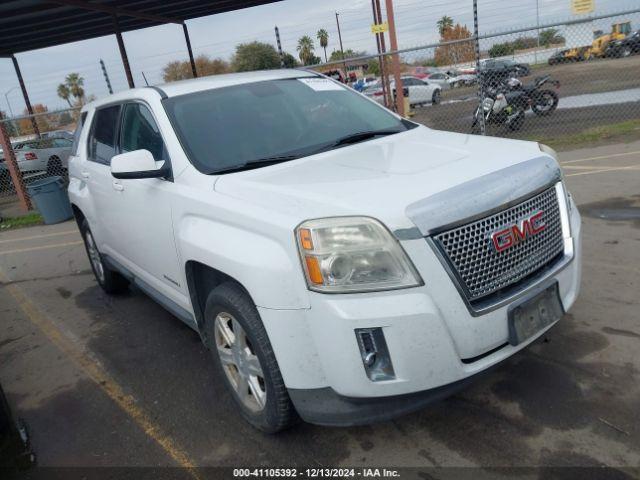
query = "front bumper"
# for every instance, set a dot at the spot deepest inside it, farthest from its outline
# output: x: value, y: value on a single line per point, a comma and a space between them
x: 435, y: 343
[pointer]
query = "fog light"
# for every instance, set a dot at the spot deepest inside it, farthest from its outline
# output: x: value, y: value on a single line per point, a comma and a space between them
x: 374, y: 353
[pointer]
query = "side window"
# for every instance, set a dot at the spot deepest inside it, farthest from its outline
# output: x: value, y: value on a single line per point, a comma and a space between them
x: 102, y: 139
x: 140, y: 131
x: 76, y: 134
x: 61, y: 143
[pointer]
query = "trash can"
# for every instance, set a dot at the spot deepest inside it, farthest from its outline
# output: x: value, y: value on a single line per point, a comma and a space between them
x: 51, y: 198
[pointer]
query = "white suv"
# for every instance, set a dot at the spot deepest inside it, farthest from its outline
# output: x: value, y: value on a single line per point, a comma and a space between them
x: 342, y: 264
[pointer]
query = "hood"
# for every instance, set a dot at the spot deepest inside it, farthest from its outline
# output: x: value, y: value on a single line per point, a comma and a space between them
x: 378, y: 178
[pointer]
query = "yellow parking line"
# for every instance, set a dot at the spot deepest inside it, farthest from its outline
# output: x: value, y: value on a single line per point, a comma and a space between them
x: 42, y: 247
x: 602, y: 170
x: 601, y: 157
x: 33, y: 237
x: 93, y: 369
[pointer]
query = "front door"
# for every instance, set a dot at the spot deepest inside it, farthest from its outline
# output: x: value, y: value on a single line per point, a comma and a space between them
x: 142, y: 209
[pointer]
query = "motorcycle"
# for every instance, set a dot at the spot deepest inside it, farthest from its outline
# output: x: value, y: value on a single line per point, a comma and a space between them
x: 501, y: 107
x: 543, y: 101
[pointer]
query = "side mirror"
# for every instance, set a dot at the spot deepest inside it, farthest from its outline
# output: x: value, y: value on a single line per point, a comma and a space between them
x: 137, y: 164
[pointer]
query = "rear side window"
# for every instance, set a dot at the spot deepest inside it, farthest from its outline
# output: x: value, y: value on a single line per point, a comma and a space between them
x: 76, y: 134
x: 140, y: 131
x: 102, y: 139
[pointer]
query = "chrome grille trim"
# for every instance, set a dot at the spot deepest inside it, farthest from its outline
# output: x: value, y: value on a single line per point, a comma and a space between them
x: 480, y: 270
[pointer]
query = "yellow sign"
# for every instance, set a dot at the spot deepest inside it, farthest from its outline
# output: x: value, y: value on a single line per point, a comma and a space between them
x: 583, y: 6
x: 380, y: 27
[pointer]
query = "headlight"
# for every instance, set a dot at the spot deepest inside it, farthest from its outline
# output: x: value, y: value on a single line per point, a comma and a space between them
x: 353, y: 254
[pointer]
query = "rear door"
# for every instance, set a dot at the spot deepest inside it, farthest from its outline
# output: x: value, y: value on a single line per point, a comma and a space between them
x: 95, y: 172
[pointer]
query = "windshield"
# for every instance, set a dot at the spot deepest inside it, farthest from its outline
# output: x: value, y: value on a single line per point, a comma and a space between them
x: 227, y: 128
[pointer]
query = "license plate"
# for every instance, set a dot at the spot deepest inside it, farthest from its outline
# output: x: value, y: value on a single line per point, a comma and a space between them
x: 534, y: 314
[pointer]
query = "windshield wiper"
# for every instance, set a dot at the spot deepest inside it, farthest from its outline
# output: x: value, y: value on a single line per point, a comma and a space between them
x: 260, y: 162
x: 362, y: 136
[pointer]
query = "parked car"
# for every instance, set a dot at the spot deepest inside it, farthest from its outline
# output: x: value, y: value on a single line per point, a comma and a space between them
x: 40, y: 156
x: 421, y: 92
x: 341, y: 263
x: 493, y: 66
x: 440, y: 79
x: 625, y: 47
x: 58, y: 134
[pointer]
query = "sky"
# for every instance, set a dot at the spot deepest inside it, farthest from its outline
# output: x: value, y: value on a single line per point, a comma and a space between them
x: 152, y: 48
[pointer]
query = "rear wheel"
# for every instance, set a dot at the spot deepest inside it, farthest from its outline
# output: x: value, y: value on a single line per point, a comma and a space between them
x: 545, y: 103
x: 111, y: 281
x: 435, y: 98
x: 236, y: 337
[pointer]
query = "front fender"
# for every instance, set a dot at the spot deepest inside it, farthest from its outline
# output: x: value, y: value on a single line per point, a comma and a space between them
x: 266, y: 264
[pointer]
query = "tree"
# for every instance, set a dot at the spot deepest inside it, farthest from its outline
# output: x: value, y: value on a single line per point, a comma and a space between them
x: 64, y: 93
x: 550, y: 36
x: 75, y: 83
x: 337, y: 54
x: 289, y: 60
x: 323, y: 37
x: 255, y: 56
x: 9, y: 126
x: 205, y: 66
x: 64, y: 119
x: 457, y: 52
x: 444, y: 24
x: 373, y: 67
x: 305, y: 50
x: 26, y: 126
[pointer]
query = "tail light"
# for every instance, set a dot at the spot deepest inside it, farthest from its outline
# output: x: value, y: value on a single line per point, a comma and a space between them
x: 30, y: 156
x: 377, y: 94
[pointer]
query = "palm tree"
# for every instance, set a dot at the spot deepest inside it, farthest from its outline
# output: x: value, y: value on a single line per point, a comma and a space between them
x: 323, y: 36
x: 444, y: 24
x: 64, y: 93
x: 305, y: 47
x: 74, y: 83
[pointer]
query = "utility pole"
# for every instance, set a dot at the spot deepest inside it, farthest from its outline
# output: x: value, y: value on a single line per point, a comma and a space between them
x: 377, y: 19
x: 395, y: 58
x: 106, y: 77
x: 478, y: 73
x: 344, y: 61
x: 279, y: 47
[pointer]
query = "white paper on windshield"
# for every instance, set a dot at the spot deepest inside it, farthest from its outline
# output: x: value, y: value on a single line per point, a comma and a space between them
x: 320, y: 84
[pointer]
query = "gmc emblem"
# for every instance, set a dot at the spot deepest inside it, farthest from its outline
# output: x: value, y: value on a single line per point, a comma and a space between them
x: 514, y: 234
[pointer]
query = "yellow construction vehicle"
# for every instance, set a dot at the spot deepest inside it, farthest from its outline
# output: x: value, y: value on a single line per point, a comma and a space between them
x: 619, y: 31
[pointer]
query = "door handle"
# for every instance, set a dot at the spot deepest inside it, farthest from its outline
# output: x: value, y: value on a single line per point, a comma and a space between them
x: 117, y: 186
x: 84, y: 174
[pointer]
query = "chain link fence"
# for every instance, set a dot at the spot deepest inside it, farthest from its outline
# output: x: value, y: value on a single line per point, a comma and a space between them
x: 558, y: 83
x: 566, y: 83
x: 40, y: 144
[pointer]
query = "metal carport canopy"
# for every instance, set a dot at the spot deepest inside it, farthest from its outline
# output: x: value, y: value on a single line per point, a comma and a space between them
x: 31, y: 24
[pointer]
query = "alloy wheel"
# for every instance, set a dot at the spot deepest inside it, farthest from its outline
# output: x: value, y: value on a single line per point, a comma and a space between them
x: 94, y: 257
x: 240, y: 362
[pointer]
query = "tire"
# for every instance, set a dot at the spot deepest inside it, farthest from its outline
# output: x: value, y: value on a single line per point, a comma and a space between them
x: 552, y: 105
x: 435, y: 98
x: 112, y: 282
x: 232, y: 320
x: 626, y: 52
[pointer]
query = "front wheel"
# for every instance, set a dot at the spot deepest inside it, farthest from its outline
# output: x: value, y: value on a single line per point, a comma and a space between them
x: 238, y: 341
x: 516, y: 123
x: 545, y: 103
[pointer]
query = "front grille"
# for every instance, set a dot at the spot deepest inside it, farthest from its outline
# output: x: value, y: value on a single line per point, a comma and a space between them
x: 480, y: 269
